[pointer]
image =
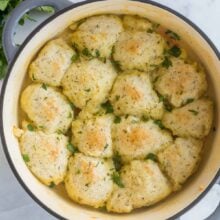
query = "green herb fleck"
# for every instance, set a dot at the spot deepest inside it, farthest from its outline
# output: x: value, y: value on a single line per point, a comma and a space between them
x: 150, y: 31
x: 72, y: 106
x: 30, y: 127
x: 97, y: 53
x: 193, y: 112
x: 117, y: 179
x: 172, y: 35
x: 166, y: 103
x: 78, y: 172
x: 159, y: 123
x: 117, y: 120
x: 102, y: 209
x: 87, y: 90
x: 44, y: 86
x: 59, y: 131
x: 144, y: 118
x: 117, y: 97
x: 52, y: 185
x: 33, y: 77
x: 25, y: 158
x: 71, y: 148
x: 24, y: 18
x: 116, y: 64
x: 151, y: 156
x: 70, y: 115
x: 105, y: 147
x: 86, y: 52
x: 175, y: 51
x: 188, y: 101
x: 75, y: 57
x: 47, y: 9
x: 167, y: 62
x: 108, y: 107
x: 117, y: 161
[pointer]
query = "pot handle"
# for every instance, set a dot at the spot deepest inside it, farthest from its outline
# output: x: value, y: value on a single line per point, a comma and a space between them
x: 7, y: 36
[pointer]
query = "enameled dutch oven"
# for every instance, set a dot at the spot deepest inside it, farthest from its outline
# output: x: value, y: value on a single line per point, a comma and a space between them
x: 55, y: 200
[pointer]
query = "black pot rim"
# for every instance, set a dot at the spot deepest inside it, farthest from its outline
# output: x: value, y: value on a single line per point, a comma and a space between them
x: 52, y: 212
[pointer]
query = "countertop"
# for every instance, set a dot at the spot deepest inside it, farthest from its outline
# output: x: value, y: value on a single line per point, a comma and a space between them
x: 15, y: 203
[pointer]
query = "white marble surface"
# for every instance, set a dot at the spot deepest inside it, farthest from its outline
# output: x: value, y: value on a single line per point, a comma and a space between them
x: 14, y: 201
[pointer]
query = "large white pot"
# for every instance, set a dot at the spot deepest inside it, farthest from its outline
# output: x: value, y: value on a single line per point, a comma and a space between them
x: 56, y: 200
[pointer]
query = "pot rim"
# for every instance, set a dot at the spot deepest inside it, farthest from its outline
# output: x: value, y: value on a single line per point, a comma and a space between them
x: 34, y: 32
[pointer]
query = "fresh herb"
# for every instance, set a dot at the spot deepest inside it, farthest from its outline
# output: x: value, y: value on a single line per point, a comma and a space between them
x: 47, y: 9
x: 70, y: 115
x: 71, y: 148
x: 117, y: 179
x: 188, y: 101
x: 52, y: 185
x: 86, y: 52
x: 105, y: 147
x: 24, y: 18
x: 59, y: 131
x: 87, y: 90
x: 25, y: 158
x: 72, y: 105
x: 75, y: 57
x: 166, y: 103
x: 172, y: 35
x: 30, y: 127
x: 113, y: 51
x: 116, y: 64
x: 3, y: 4
x: 150, y: 31
x: 159, y: 123
x: 144, y: 118
x: 167, y: 62
x: 44, y: 86
x: 117, y: 97
x: 175, y: 51
x: 78, y: 172
x: 155, y: 26
x: 117, y: 120
x: 193, y: 112
x: 151, y: 156
x: 108, y: 107
x: 117, y: 161
x: 102, y: 209
x: 97, y: 53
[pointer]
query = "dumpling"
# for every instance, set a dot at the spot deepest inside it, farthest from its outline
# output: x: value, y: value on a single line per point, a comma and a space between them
x: 133, y: 94
x: 139, y: 50
x: 49, y: 110
x: 51, y: 63
x: 46, y: 155
x: 136, y: 23
x: 144, y: 185
x: 93, y: 137
x: 191, y: 120
x: 88, y: 180
x: 180, y: 160
x: 135, y: 139
x: 97, y: 35
x: 88, y: 82
x: 181, y: 82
